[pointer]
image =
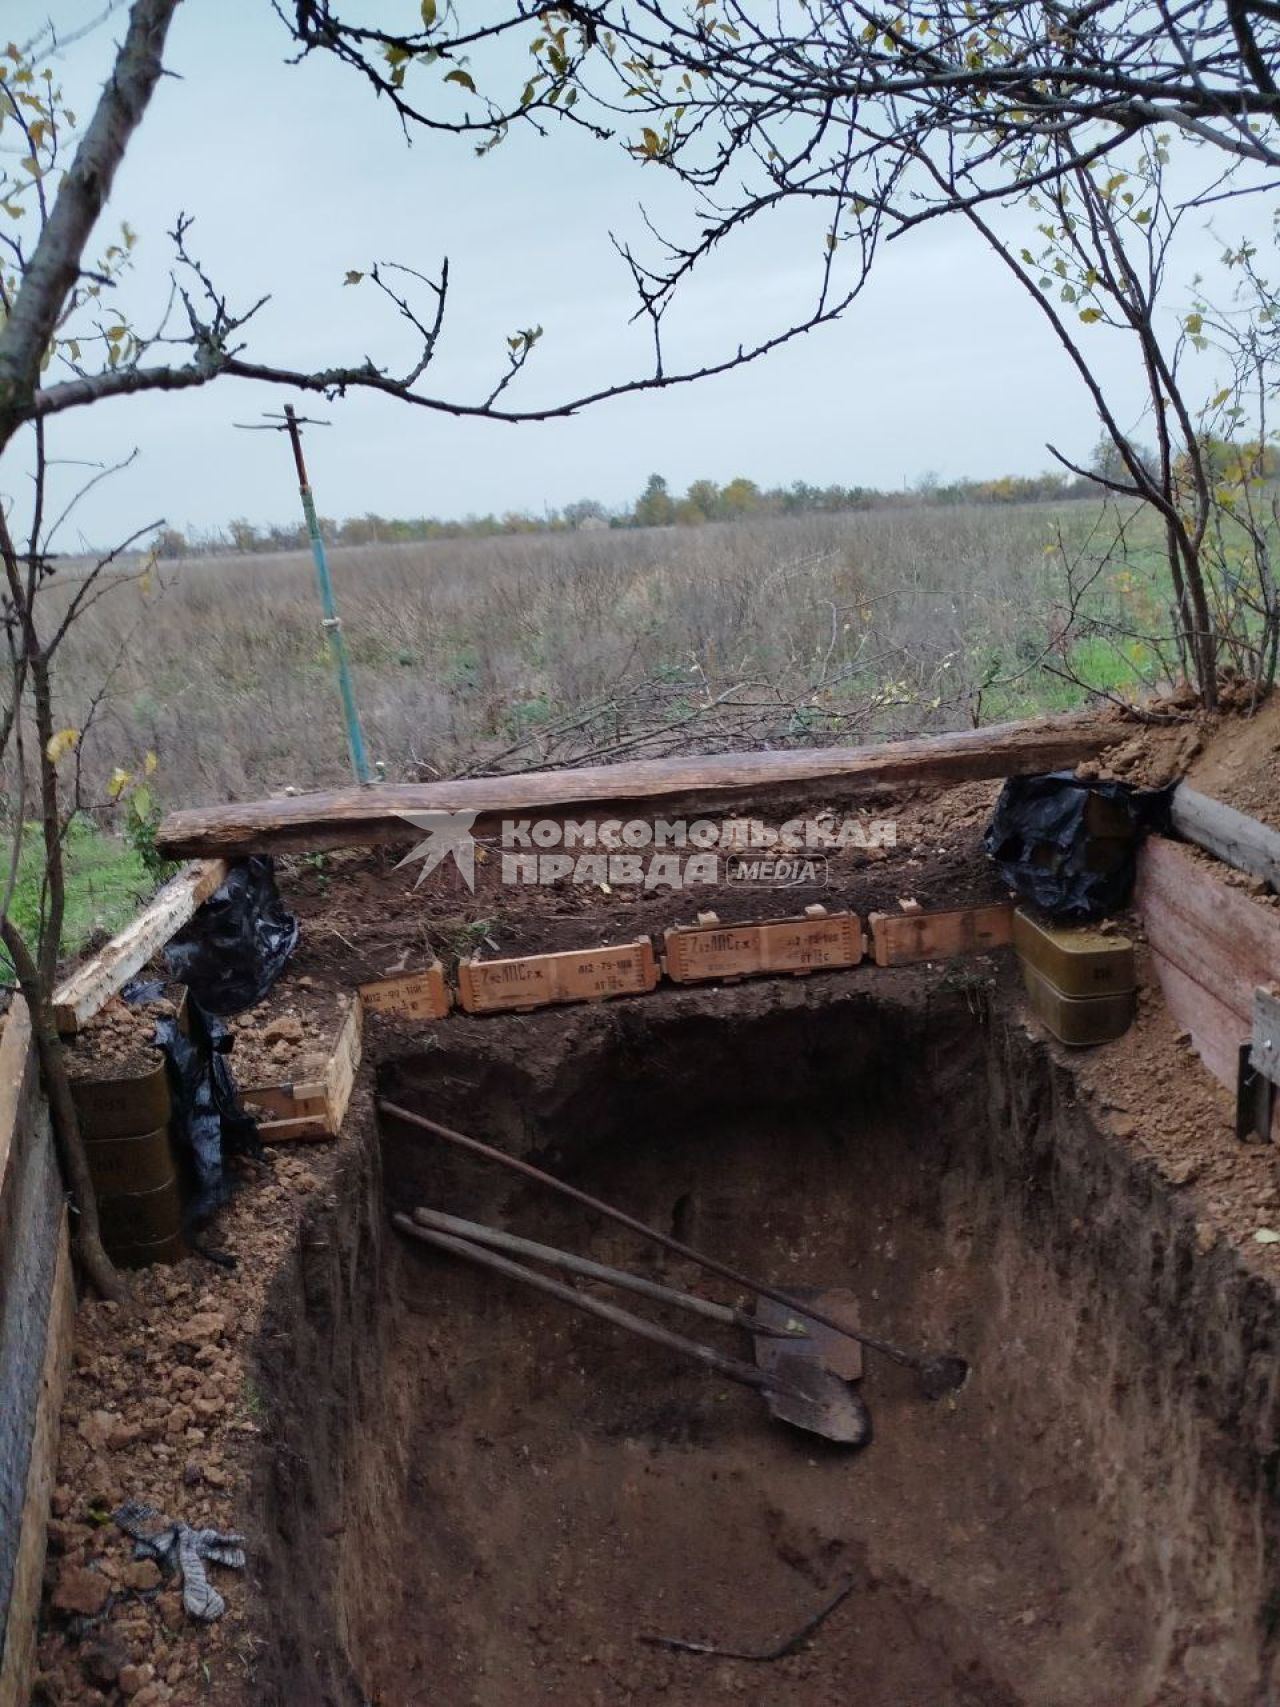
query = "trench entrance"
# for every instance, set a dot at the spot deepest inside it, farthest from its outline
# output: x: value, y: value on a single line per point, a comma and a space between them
x: 528, y: 1492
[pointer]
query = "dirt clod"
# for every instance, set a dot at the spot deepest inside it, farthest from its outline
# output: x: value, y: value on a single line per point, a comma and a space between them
x: 81, y: 1591
x: 119, y: 1041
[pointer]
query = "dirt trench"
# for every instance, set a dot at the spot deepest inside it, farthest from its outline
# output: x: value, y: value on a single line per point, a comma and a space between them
x: 475, y: 1497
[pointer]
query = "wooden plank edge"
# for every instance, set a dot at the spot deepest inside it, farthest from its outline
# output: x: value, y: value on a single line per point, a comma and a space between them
x: 18, y: 1654
x: 286, y: 1101
x: 309, y: 1126
x: 92, y: 985
x: 1266, y: 1032
x: 18, y: 1071
x: 344, y: 1064
x: 374, y: 814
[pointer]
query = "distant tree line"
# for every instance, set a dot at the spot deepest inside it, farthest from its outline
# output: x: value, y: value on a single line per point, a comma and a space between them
x: 704, y: 501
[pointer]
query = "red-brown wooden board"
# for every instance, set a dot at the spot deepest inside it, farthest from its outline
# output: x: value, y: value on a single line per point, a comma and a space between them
x: 902, y: 938
x: 409, y: 995
x: 541, y: 980
x: 695, y: 953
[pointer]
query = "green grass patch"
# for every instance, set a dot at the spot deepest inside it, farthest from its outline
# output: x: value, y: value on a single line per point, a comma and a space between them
x: 106, y: 880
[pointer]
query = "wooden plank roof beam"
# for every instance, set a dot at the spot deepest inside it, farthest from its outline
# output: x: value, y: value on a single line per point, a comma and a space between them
x: 683, y: 787
x: 92, y: 985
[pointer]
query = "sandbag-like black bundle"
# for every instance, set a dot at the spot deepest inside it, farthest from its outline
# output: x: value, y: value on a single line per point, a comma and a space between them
x: 1069, y: 845
x: 237, y: 944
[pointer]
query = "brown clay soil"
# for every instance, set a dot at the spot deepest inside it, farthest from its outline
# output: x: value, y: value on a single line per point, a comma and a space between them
x: 289, y: 1036
x: 363, y: 918
x: 1241, y: 765
x: 458, y: 1494
x: 119, y: 1041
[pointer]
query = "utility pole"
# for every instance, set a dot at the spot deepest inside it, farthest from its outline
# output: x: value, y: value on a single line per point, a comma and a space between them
x: 332, y: 622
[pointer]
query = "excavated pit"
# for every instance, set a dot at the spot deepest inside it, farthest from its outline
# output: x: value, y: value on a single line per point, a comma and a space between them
x: 476, y: 1497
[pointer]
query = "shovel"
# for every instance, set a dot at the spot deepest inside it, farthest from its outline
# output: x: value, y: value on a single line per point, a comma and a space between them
x: 937, y: 1372
x: 797, y: 1386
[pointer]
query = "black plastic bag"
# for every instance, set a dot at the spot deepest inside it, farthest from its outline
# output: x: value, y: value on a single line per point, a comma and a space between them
x: 208, y: 1121
x: 1068, y: 845
x: 237, y: 944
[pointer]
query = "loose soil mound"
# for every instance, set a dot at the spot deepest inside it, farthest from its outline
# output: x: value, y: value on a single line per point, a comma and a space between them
x: 119, y: 1041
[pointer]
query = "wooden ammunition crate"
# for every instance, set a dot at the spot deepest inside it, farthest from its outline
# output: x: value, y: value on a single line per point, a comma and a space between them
x: 542, y: 980
x: 318, y: 1108
x: 902, y: 938
x: 813, y: 942
x: 409, y: 995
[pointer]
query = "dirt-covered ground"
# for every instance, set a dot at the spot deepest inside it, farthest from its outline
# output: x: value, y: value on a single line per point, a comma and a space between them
x: 531, y: 1495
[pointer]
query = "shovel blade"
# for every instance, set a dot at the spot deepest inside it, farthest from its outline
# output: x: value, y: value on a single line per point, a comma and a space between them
x: 841, y: 1355
x: 810, y: 1397
x: 810, y: 1367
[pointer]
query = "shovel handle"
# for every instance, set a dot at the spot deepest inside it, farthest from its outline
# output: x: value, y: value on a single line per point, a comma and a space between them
x: 744, y: 1373
x: 939, y: 1374
x: 499, y: 1240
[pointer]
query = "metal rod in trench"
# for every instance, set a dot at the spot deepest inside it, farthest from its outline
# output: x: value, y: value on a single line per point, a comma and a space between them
x: 940, y: 1373
x: 476, y: 1233
x: 745, y: 1373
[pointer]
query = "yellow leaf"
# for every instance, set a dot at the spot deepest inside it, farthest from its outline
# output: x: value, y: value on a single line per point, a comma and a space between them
x: 1089, y: 315
x: 1193, y: 324
x: 59, y: 745
x: 463, y: 77
x: 652, y: 141
x: 428, y: 13
x: 149, y: 764
x: 118, y: 782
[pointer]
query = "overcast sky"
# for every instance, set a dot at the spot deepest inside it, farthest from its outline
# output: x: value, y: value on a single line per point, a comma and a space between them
x: 295, y: 174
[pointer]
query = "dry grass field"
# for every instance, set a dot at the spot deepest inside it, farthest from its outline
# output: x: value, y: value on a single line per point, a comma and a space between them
x: 500, y: 653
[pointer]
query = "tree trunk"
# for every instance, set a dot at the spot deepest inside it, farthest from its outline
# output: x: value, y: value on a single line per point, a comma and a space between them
x: 50, y: 944
x: 55, y: 264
